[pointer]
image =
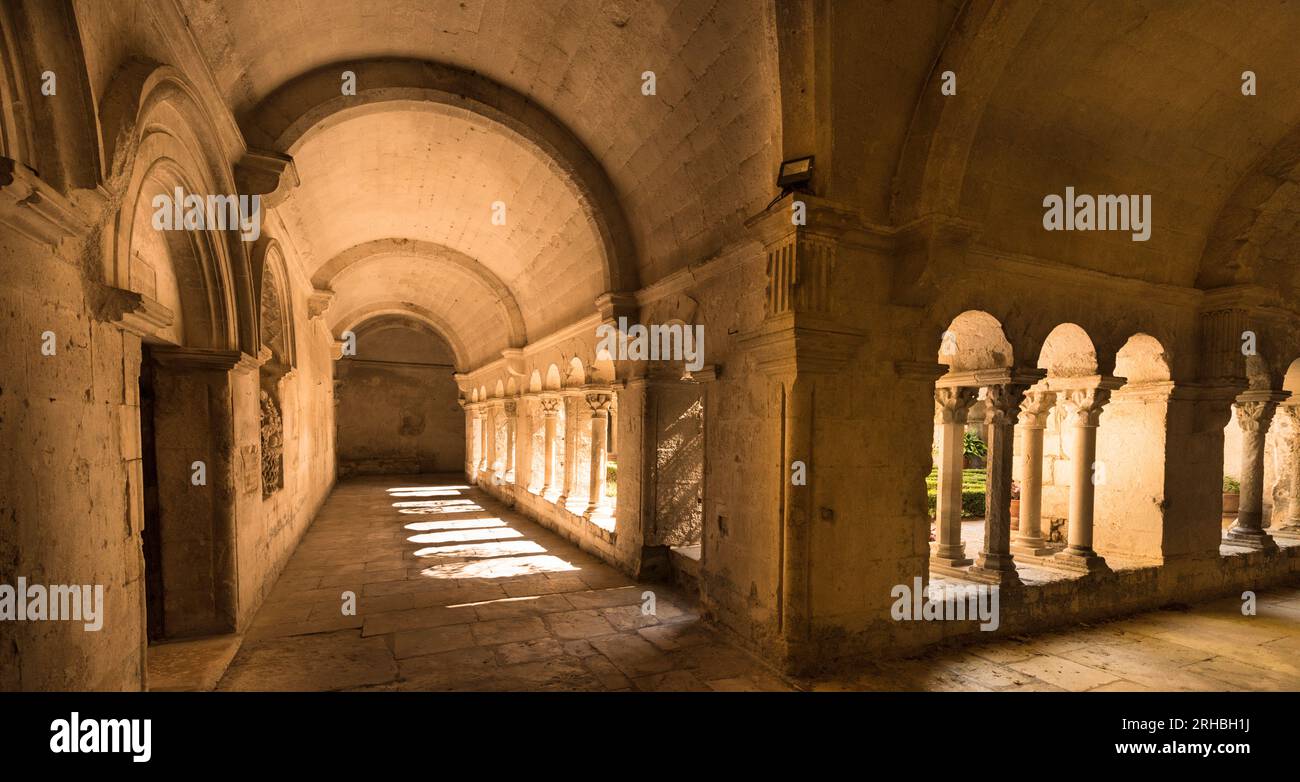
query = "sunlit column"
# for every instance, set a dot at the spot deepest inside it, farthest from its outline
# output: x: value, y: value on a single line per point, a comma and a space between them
x: 549, y: 407
x: 481, y: 414
x: 994, y: 563
x: 492, y: 438
x: 1083, y: 407
x: 1290, y: 414
x: 511, y: 409
x: 1033, y: 421
x: 599, y: 404
x: 570, y: 447
x: 954, y: 404
x: 1254, y: 414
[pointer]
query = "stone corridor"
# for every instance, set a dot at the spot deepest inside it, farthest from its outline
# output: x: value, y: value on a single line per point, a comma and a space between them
x: 455, y: 592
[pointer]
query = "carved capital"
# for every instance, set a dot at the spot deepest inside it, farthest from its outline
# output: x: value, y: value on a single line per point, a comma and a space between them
x: 550, y: 406
x: 1035, y: 407
x: 1255, y: 416
x: 1002, y: 402
x: 953, y: 404
x: 1084, y: 405
x: 510, y: 407
x: 599, y: 404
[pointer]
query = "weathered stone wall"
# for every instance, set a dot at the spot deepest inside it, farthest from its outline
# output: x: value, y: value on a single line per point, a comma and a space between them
x: 68, y: 498
x: 397, y: 409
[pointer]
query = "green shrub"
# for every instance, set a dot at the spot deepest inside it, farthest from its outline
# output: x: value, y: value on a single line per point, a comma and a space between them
x: 1231, y: 485
x: 972, y: 492
x: 972, y: 445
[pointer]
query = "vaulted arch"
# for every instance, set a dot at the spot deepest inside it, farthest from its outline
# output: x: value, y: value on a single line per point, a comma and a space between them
x: 349, y: 321
x: 313, y: 101
x: 435, y: 256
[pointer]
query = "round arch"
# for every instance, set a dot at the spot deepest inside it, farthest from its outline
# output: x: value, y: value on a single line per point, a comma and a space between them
x: 351, y: 320
x: 312, y: 101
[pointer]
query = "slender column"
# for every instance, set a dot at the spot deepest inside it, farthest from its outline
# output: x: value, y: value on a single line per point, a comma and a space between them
x: 1291, y: 447
x: 599, y: 404
x: 549, y: 407
x: 491, y: 428
x: 954, y: 404
x: 482, y: 414
x: 570, y: 449
x: 511, y: 409
x: 1029, y: 540
x: 1083, y: 407
x: 994, y: 563
x: 1253, y: 416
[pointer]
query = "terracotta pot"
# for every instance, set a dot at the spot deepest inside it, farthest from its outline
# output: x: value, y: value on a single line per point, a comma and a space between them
x: 1231, y: 502
x: 1015, y: 513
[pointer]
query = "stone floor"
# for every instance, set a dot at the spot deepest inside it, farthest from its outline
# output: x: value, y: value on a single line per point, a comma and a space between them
x: 455, y: 592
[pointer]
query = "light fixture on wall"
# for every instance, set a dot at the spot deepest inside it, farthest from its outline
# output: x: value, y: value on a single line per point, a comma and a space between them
x: 795, y: 175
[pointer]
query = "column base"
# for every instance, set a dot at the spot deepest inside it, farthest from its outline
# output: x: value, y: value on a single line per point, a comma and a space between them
x: 950, y: 552
x: 1030, y: 548
x: 1289, y: 531
x: 1246, y: 537
x: 1079, y: 561
x: 999, y: 569
x: 950, y: 559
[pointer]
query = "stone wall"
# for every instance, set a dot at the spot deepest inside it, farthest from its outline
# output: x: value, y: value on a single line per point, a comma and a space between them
x: 397, y: 409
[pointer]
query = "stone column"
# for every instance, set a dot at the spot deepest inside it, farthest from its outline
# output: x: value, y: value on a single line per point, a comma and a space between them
x: 954, y: 403
x: 994, y: 563
x: 1254, y: 414
x: 1083, y: 407
x: 1029, y: 540
x: 549, y: 407
x: 570, y: 450
x: 599, y: 404
x: 490, y: 455
x: 1291, y: 447
x: 511, y: 409
x: 481, y: 414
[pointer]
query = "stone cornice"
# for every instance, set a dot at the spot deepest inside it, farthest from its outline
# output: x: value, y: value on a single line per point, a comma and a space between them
x: 977, y: 378
x: 34, y: 209
x: 792, y: 343
x: 133, y: 311
x: 1035, y: 268
x: 203, y: 359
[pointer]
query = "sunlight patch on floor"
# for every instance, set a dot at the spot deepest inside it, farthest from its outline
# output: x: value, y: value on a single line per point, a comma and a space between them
x: 483, y: 550
x: 425, y: 526
x: 465, y: 536
x: 500, y: 567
